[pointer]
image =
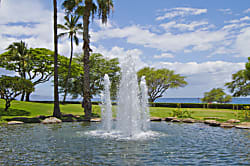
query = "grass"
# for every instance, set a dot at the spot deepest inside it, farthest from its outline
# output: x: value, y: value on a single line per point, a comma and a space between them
x: 29, y: 109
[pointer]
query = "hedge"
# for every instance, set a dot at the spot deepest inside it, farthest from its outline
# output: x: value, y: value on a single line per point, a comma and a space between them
x: 200, y: 105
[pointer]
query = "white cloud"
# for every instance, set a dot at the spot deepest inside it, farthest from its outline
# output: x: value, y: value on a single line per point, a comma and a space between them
x: 164, y: 42
x: 201, y: 77
x: 245, y: 18
x: 243, y: 42
x: 226, y: 11
x: 181, y: 11
x: 121, y: 54
x: 181, y: 26
x: 164, y: 55
x: 246, y: 11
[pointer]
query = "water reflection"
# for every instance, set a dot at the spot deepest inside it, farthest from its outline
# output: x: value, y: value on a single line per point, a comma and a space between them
x: 70, y: 144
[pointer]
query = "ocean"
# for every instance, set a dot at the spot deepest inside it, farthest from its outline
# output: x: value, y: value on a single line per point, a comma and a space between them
x: 160, y: 100
x: 198, y: 100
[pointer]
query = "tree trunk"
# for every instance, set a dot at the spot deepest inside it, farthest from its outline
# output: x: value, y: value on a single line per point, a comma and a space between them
x: 56, y: 112
x: 69, y: 70
x: 86, y: 50
x: 7, y: 104
x: 27, y: 97
x: 23, y: 95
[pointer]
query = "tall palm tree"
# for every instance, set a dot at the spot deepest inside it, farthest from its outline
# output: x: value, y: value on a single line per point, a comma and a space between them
x: 86, y: 9
x: 71, y: 27
x: 19, y: 51
x: 56, y: 112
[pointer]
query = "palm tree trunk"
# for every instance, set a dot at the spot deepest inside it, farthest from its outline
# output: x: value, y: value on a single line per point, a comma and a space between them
x: 69, y: 70
x: 56, y: 112
x: 86, y: 83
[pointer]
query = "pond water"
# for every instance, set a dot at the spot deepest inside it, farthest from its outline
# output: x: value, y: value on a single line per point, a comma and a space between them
x: 167, y: 144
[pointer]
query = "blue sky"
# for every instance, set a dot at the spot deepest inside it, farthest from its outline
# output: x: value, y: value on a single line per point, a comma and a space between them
x: 204, y: 40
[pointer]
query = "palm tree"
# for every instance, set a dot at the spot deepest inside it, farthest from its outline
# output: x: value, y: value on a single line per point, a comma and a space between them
x: 56, y: 112
x: 86, y: 9
x: 71, y: 26
x: 20, y: 52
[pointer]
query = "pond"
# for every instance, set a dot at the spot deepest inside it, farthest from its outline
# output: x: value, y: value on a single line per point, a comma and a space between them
x: 168, y: 144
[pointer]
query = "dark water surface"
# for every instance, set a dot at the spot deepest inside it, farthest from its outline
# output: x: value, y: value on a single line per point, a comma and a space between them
x: 174, y: 144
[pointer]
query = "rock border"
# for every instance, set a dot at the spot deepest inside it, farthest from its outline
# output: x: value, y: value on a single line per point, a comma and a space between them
x: 76, y: 118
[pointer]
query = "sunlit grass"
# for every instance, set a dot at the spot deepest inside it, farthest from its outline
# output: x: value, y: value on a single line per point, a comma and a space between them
x: 35, y: 109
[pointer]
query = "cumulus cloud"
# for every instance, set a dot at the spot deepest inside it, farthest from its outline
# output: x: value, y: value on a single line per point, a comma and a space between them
x: 121, y: 54
x: 180, y: 12
x: 201, y: 76
x: 164, y: 42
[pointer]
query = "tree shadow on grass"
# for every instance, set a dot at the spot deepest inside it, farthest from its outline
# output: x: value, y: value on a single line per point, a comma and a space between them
x: 13, y: 112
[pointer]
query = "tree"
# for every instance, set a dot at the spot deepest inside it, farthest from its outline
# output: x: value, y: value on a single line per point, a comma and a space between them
x: 86, y: 9
x: 16, y: 59
x: 56, y: 112
x: 99, y: 67
x: 70, y: 27
x: 240, y: 84
x: 216, y: 95
x: 158, y: 81
x: 11, y: 87
x: 36, y: 65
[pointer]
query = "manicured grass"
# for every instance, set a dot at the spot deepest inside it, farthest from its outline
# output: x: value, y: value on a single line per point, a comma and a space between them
x: 30, y: 109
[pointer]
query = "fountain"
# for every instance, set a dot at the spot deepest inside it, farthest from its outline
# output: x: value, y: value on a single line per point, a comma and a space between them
x: 106, y: 106
x: 132, y: 109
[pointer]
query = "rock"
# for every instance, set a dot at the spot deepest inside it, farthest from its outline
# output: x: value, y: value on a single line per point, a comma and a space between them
x: 155, y: 119
x: 226, y: 125
x: 14, y: 122
x: 68, y: 119
x: 169, y: 118
x: 233, y: 121
x: 188, y: 120
x: 212, y: 123
x: 95, y: 120
x: 175, y: 120
x: 243, y: 125
x: 25, y: 120
x: 51, y: 120
x: 68, y: 115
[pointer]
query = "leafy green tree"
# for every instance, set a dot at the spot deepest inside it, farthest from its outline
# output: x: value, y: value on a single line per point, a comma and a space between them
x: 71, y: 27
x: 11, y: 87
x: 56, y: 112
x: 16, y: 59
x: 240, y: 84
x: 86, y: 9
x: 158, y: 81
x: 99, y: 67
x: 36, y: 65
x: 216, y: 95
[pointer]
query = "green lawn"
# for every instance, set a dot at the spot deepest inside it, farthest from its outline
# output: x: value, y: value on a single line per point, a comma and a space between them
x: 29, y: 109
